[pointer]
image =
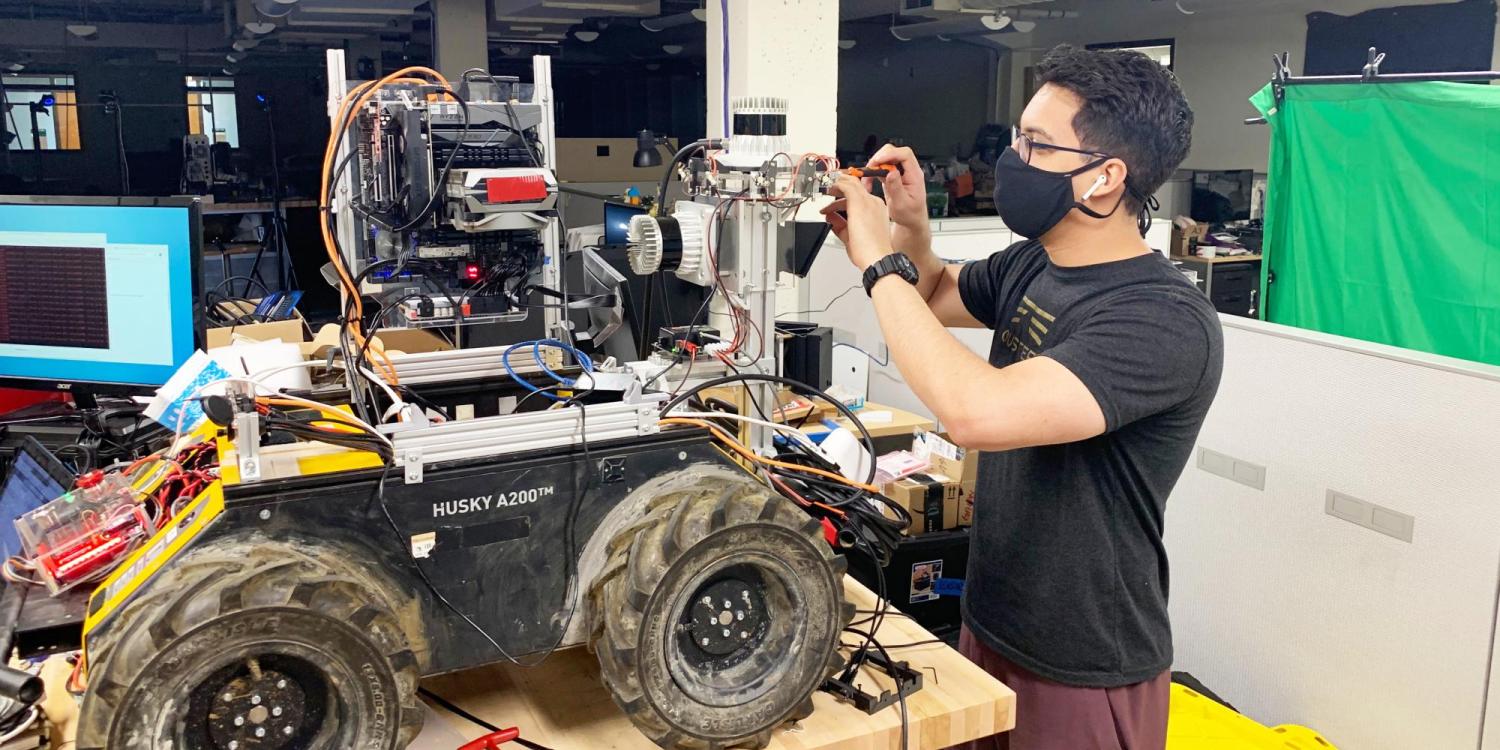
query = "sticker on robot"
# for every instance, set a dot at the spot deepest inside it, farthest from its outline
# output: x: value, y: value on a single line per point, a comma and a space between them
x: 423, y: 544
x: 924, y: 577
x: 177, y: 404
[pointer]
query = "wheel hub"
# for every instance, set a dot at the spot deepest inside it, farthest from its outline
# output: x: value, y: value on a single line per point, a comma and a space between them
x: 262, y: 709
x: 725, y: 616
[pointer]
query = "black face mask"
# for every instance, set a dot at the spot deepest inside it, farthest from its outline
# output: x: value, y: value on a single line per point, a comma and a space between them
x: 1032, y: 200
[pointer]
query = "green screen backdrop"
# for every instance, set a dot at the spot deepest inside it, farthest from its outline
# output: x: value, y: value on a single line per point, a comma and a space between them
x: 1383, y: 214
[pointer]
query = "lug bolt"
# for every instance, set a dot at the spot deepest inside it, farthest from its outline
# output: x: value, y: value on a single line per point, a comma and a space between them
x: 233, y: 745
x: 726, y: 632
x: 281, y: 683
x: 705, y: 641
x: 276, y: 711
x: 287, y: 731
x: 260, y: 731
x: 239, y: 721
x: 255, y: 700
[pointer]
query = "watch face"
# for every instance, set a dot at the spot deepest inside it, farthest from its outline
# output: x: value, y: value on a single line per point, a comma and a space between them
x: 906, y: 267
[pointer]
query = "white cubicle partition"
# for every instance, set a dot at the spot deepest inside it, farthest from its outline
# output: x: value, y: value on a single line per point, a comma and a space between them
x: 1298, y: 616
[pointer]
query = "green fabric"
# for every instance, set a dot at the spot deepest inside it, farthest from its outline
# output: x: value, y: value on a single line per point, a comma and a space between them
x: 1383, y: 214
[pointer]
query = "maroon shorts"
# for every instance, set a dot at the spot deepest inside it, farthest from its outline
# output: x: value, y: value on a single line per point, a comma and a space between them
x: 1052, y: 716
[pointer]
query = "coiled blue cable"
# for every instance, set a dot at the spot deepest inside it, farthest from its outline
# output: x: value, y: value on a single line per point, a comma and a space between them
x: 536, y: 350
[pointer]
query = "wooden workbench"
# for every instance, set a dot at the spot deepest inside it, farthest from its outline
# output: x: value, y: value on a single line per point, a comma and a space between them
x: 563, y: 705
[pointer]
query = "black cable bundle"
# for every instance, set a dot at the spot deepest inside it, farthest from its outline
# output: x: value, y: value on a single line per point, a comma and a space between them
x: 862, y: 519
x: 362, y: 440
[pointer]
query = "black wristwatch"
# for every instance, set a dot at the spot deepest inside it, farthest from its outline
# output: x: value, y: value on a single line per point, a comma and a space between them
x: 895, y: 263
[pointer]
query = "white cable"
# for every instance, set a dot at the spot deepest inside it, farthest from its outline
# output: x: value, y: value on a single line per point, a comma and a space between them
x: 20, y: 729
x: 396, y: 403
x: 790, y: 430
x: 263, y: 374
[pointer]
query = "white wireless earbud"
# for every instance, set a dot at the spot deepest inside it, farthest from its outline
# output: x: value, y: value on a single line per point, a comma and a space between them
x: 1100, y: 181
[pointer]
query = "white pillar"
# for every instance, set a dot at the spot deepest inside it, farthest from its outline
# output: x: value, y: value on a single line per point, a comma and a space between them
x: 781, y: 48
x: 461, y: 28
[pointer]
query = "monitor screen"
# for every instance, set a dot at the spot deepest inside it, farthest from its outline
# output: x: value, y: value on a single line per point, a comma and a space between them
x: 102, y: 294
x: 28, y: 485
x: 617, y: 222
x: 1222, y: 196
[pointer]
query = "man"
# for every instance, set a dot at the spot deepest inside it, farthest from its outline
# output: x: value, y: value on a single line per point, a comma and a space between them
x: 1104, y: 363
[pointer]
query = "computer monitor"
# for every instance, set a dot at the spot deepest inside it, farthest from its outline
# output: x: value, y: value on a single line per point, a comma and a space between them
x: 1222, y: 196
x: 98, y: 293
x: 617, y: 222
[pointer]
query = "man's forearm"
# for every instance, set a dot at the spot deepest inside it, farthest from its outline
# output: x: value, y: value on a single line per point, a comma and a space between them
x: 1036, y: 401
x: 917, y: 244
x: 918, y: 342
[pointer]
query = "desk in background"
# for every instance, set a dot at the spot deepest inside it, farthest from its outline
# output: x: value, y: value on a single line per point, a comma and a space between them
x: 1232, y: 283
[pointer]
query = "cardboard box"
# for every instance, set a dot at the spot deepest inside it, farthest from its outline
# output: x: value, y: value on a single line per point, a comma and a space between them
x: 289, y: 331
x: 933, y: 501
x: 411, y: 340
x: 1185, y: 241
x: 946, y: 458
x: 407, y: 340
x: 966, y: 503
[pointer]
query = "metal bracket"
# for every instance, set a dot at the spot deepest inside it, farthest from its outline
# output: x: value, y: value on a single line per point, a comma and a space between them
x: 908, y: 681
x: 1373, y: 59
x: 411, y: 464
x: 647, y: 420
x: 247, y: 445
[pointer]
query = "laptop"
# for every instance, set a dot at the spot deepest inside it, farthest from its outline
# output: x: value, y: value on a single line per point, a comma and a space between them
x: 35, y: 478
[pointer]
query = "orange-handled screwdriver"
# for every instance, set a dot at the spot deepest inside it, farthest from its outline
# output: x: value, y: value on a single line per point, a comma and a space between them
x: 877, y: 172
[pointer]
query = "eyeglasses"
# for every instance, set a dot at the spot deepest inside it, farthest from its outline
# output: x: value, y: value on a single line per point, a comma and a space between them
x: 1026, y: 146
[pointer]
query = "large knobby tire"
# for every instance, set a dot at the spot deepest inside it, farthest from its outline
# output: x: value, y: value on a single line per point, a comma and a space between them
x: 245, y: 647
x: 717, y: 615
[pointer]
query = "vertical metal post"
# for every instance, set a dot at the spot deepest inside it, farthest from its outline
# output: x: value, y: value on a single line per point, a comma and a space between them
x: 338, y: 89
x: 751, y: 261
x: 555, y: 322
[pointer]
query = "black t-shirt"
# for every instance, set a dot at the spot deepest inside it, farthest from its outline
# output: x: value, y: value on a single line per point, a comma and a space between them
x: 1068, y: 574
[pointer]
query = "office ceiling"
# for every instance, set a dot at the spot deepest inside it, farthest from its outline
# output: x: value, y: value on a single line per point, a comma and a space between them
x: 118, y: 11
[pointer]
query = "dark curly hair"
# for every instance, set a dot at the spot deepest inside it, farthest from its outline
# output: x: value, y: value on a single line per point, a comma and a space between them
x: 1133, y: 109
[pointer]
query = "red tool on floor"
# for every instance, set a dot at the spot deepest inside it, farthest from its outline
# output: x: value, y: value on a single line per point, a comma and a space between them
x: 493, y: 740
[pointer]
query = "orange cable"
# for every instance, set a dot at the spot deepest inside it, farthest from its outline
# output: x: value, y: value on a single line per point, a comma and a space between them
x: 742, y: 450
x: 347, y: 111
